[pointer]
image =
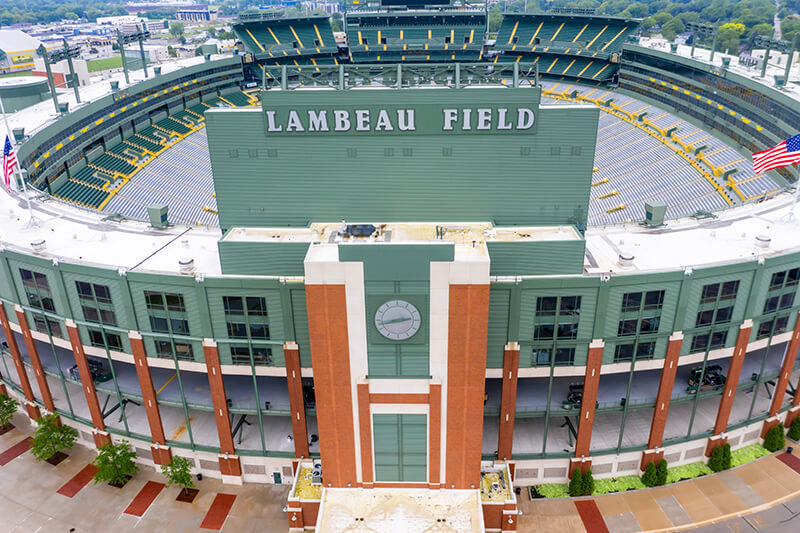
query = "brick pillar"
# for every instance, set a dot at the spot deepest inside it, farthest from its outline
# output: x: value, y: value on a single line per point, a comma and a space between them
x: 330, y: 359
x: 661, y: 410
x: 508, y: 402
x: 99, y: 433
x: 365, y: 435
x: 228, y: 461
x: 466, y: 383
x: 162, y: 454
x: 297, y: 405
x: 783, y: 381
x: 24, y: 382
x: 591, y: 383
x: 731, y: 382
x: 434, y: 436
x: 36, y: 363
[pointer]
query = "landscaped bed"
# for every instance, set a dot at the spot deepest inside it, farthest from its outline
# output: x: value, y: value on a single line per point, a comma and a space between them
x: 633, y: 482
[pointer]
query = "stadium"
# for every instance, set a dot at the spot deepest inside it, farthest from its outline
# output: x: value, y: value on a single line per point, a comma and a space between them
x: 411, y: 258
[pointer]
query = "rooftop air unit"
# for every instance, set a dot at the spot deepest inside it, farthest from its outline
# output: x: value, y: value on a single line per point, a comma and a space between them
x: 654, y: 214
x: 158, y: 215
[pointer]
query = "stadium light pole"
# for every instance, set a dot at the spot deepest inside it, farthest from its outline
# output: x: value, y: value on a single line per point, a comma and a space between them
x: 32, y: 222
x: 69, y: 52
x: 790, y: 53
x: 121, y: 43
x: 769, y: 45
x: 141, y: 47
x: 698, y: 29
x: 42, y: 51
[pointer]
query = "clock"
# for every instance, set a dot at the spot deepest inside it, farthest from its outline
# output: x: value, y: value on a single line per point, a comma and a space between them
x: 397, y: 320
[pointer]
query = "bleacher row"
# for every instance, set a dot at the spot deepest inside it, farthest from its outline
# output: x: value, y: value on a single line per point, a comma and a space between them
x: 274, y: 37
x: 94, y: 184
x: 633, y: 167
x: 553, y: 65
x: 519, y: 30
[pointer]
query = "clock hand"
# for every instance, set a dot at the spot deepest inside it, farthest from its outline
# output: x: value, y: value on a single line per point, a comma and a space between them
x: 397, y: 320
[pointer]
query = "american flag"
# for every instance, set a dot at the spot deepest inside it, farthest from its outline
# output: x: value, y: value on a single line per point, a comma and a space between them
x: 785, y: 154
x: 9, y: 163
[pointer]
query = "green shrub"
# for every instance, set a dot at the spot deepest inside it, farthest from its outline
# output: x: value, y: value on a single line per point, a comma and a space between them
x: 715, y: 460
x: 649, y: 476
x: 51, y: 437
x: 8, y: 406
x: 775, y: 438
x: 576, y: 483
x: 661, y: 472
x: 115, y: 463
x: 794, y: 430
x: 588, y: 483
x: 747, y: 454
x: 617, y: 484
x: 726, y: 456
x: 689, y: 471
x: 553, y: 490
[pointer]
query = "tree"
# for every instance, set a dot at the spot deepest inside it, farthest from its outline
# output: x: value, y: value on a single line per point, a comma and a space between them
x: 176, y: 29
x: 576, y: 483
x: 649, y: 476
x: 8, y: 406
x: 726, y: 456
x: 670, y: 29
x: 179, y: 472
x: 171, y: 51
x: 775, y: 438
x: 729, y: 36
x: 794, y: 430
x: 661, y: 473
x: 51, y: 437
x: 115, y: 463
x: 587, y: 484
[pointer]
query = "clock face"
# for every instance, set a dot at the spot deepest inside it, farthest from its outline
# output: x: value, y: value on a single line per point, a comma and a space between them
x: 397, y: 320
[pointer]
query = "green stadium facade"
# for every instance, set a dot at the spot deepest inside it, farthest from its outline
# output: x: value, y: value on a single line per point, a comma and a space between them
x: 403, y: 286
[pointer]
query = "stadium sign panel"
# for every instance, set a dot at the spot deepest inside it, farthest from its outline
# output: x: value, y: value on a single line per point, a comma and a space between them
x: 400, y: 120
x: 390, y: 112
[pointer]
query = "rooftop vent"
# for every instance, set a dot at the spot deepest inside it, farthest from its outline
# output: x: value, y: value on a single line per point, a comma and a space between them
x: 625, y: 259
x: 39, y: 246
x: 186, y: 265
x: 762, y: 241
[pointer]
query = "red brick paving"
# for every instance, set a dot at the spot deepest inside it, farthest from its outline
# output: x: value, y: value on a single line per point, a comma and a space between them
x: 144, y: 499
x: 15, y: 451
x: 591, y: 516
x: 218, y: 511
x: 80, y: 480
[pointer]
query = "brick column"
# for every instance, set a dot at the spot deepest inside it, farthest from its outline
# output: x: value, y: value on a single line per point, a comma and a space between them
x: 466, y: 383
x: 228, y: 461
x: 731, y: 382
x: 36, y: 363
x: 661, y: 411
x: 330, y: 357
x: 591, y: 383
x: 24, y: 382
x: 297, y: 406
x: 434, y: 436
x: 365, y: 436
x: 99, y: 433
x: 162, y: 454
x: 508, y: 402
x: 783, y: 381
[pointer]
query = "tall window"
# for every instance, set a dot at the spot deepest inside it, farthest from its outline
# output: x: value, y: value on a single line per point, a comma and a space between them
x: 37, y: 291
x: 716, y: 308
x: 640, y: 315
x: 167, y: 313
x: 555, y: 329
x: 780, y: 298
x: 246, y: 318
x: 97, y: 307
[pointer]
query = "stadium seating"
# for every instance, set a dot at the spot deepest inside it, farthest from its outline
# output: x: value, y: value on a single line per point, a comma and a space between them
x: 282, y: 40
x: 524, y: 31
x: 415, y: 36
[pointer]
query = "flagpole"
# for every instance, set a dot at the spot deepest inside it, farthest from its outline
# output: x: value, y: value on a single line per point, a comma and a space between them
x: 32, y: 222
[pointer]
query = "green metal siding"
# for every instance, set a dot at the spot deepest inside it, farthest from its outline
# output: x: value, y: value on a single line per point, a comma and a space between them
x: 536, y: 258
x: 263, y: 258
x: 401, y: 447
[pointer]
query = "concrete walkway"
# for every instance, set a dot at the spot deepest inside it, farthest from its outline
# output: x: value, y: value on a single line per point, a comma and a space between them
x: 35, y: 497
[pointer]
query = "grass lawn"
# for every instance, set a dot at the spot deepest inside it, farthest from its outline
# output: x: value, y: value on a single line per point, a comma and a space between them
x: 97, y: 65
x: 17, y: 74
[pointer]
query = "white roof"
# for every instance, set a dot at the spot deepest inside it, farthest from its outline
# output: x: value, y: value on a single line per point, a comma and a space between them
x: 12, y: 41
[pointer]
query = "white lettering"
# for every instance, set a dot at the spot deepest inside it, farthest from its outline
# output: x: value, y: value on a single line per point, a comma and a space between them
x: 317, y: 121
x: 503, y: 124
x: 294, y: 123
x: 362, y: 120
x: 405, y: 120
x: 384, y: 124
x: 484, y: 119
x: 525, y: 118
x: 466, y: 123
x: 450, y: 116
x: 271, y: 122
x: 341, y: 120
